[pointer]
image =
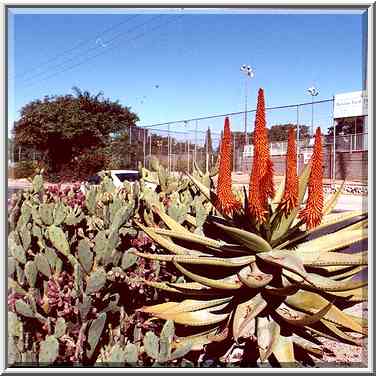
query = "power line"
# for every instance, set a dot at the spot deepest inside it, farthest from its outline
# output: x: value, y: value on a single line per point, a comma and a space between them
x: 117, y: 36
x: 233, y: 113
x: 79, y: 44
x: 102, y: 52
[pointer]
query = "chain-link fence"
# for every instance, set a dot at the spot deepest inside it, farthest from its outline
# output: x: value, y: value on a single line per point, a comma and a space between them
x: 180, y: 144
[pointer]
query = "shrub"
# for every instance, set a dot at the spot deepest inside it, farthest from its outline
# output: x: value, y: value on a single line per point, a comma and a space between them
x: 25, y: 169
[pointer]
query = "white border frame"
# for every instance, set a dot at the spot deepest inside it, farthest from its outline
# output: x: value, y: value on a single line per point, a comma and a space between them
x: 152, y: 3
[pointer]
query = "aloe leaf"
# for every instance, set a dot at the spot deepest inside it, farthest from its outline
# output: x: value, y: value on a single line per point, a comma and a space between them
x: 334, y: 241
x: 307, y: 346
x: 216, y: 261
x: 245, y: 314
x: 170, y: 222
x: 353, y: 271
x: 356, y: 295
x: 332, y: 258
x: 283, y: 350
x: 278, y: 194
x: 285, y: 223
x: 338, y: 332
x: 193, y: 288
x: 283, y: 291
x: 328, y: 284
x: 252, y: 241
x: 310, y: 302
x: 224, y: 284
x: 268, y: 332
x: 191, y: 220
x: 284, y: 259
x: 182, y: 350
x: 204, y: 190
x: 159, y: 308
x: 252, y: 277
x: 327, y: 222
x: 191, y: 237
x: 300, y: 319
x: 331, y: 203
x: 201, y: 339
x: 163, y: 242
x: 187, y: 305
x: 197, y: 318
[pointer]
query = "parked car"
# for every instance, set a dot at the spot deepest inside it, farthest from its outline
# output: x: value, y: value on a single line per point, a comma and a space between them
x: 119, y: 177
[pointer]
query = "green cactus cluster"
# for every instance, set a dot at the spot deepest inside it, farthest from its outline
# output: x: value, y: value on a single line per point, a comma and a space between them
x: 63, y: 293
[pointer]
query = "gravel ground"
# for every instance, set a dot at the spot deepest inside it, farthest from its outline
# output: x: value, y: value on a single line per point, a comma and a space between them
x: 344, y: 355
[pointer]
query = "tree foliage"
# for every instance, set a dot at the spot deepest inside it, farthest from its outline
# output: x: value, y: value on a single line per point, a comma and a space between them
x: 279, y: 132
x: 348, y: 126
x: 65, y: 128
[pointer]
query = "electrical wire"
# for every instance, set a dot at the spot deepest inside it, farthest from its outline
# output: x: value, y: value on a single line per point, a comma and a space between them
x: 110, y: 42
x: 79, y: 44
x: 102, y: 52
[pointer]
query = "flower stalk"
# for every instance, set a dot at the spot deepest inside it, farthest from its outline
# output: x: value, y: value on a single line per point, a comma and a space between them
x: 227, y: 203
x: 290, y: 197
x: 261, y: 185
x: 312, y: 214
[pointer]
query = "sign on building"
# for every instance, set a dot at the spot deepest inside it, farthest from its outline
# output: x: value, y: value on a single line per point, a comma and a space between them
x: 350, y: 104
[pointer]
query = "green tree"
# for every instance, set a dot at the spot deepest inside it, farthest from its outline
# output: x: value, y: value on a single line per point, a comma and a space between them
x: 279, y: 132
x: 350, y: 125
x: 65, y: 128
x: 208, y: 142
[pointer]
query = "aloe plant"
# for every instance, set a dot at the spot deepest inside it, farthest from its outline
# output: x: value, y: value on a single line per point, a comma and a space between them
x: 270, y: 267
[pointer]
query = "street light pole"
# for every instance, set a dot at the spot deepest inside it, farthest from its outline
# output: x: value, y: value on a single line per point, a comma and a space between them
x: 249, y: 73
x: 313, y: 92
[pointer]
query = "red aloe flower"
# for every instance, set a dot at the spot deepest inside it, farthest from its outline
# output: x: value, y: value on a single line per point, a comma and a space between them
x: 261, y: 184
x: 312, y: 214
x: 227, y: 202
x: 290, y: 197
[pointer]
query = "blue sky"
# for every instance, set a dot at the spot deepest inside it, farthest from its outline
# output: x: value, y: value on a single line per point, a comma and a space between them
x: 181, y: 65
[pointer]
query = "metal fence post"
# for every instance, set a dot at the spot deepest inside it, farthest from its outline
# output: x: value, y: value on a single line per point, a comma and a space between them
x: 188, y: 147
x: 195, y: 147
x: 150, y: 149
x: 334, y: 147
x: 297, y: 139
x: 234, y: 152
x: 169, y: 149
x: 207, y: 151
x: 144, y: 148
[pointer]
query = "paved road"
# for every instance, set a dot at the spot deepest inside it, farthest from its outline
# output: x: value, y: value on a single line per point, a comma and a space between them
x: 345, y: 202
x: 352, y: 202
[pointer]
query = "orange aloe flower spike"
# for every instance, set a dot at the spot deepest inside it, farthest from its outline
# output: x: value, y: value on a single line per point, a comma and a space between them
x: 261, y: 181
x: 312, y: 214
x: 226, y: 200
x: 290, y: 197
